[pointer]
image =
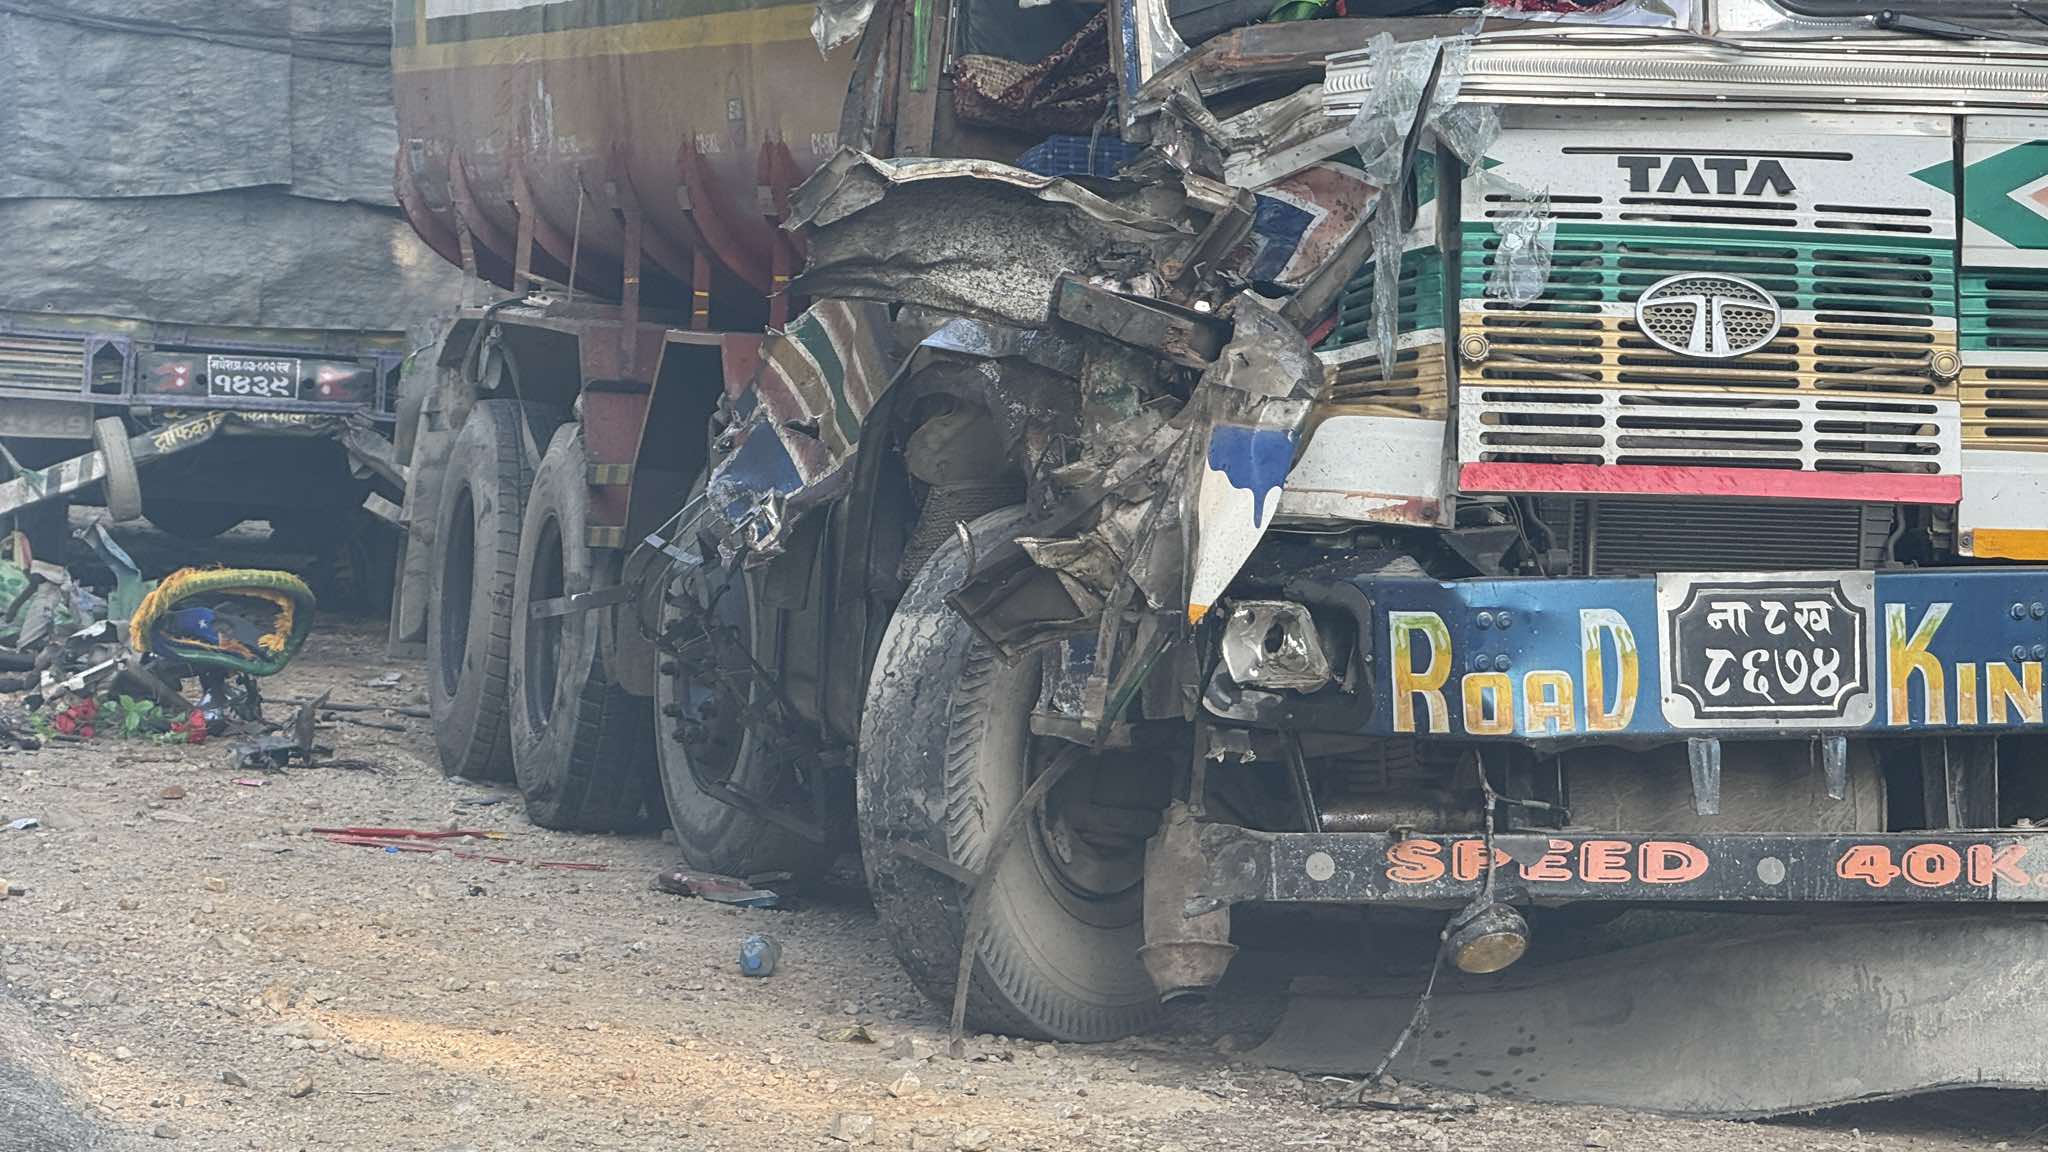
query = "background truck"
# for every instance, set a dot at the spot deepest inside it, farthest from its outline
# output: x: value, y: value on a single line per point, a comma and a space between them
x: 196, y: 216
x: 1585, y: 458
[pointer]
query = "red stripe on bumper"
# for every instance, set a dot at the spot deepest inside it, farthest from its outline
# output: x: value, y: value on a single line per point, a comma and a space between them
x: 1766, y: 483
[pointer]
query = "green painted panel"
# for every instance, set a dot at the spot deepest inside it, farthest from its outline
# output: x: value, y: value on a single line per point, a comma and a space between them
x: 1612, y: 264
x: 1419, y: 304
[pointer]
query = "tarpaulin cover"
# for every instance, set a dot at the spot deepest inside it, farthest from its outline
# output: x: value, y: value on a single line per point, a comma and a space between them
x: 243, y: 619
x: 207, y: 162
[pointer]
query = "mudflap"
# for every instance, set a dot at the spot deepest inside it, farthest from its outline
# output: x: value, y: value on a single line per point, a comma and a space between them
x: 1756, y: 1016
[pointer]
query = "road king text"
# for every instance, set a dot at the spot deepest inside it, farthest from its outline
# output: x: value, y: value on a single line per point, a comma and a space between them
x: 1604, y: 691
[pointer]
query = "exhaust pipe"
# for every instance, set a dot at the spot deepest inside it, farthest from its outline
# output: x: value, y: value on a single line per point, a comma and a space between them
x: 1185, y: 955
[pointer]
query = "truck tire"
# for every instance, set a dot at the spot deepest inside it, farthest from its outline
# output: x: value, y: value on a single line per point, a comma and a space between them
x: 469, y: 595
x: 582, y: 746
x: 192, y: 519
x: 945, y: 753
x: 692, y: 736
x: 122, y: 485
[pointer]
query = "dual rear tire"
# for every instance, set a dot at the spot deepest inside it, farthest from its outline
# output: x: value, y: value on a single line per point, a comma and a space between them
x: 519, y: 698
x: 945, y: 749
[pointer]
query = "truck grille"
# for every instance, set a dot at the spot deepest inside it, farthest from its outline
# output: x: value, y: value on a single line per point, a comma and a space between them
x: 2004, y: 384
x: 1534, y: 348
x: 1634, y: 537
x: 1414, y: 388
x: 1802, y: 430
x: 1848, y: 384
x: 1898, y: 281
x: 42, y: 364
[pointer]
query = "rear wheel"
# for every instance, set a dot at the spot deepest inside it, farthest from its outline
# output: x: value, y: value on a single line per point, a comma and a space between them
x: 469, y: 602
x: 946, y: 752
x: 582, y: 746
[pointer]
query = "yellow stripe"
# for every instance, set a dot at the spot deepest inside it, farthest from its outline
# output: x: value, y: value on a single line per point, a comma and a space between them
x: 2009, y: 543
x: 756, y: 26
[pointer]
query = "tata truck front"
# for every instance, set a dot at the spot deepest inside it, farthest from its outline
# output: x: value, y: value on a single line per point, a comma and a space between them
x: 1708, y: 481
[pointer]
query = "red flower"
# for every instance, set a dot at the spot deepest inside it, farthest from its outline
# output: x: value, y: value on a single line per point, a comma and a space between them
x: 65, y: 723
x: 196, y: 720
x: 86, y: 732
x: 87, y: 708
x: 196, y: 734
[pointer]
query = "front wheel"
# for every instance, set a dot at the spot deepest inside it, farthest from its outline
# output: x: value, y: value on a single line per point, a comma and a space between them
x: 946, y: 751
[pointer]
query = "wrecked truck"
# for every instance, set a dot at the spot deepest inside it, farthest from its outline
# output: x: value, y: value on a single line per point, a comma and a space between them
x: 1118, y: 465
x: 207, y: 279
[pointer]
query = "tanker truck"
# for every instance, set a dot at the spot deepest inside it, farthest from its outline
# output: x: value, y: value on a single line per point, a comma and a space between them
x: 1119, y: 464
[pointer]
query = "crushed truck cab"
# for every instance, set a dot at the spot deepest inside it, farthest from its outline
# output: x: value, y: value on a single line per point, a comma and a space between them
x: 1475, y: 466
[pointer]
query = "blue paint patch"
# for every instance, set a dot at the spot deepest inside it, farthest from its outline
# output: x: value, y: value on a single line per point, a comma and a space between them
x: 1255, y: 459
x: 1277, y: 229
x: 1068, y: 155
x: 760, y: 464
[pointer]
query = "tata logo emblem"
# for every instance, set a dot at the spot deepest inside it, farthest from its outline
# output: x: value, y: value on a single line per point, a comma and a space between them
x: 1706, y: 315
x: 1706, y: 175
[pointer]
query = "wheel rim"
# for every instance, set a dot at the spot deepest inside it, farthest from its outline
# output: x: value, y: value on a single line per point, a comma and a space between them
x: 1089, y: 850
x: 696, y: 725
x: 458, y: 572
x: 544, y: 636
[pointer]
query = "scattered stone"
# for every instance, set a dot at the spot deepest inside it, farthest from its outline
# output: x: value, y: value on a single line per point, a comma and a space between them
x: 165, y: 1132
x: 454, y: 984
x: 233, y: 1079
x: 1597, y: 1138
x: 911, y: 1048
x: 371, y: 1051
x: 206, y: 908
x: 123, y: 1054
x: 216, y: 884
x: 905, y: 1085
x: 171, y: 792
x: 973, y: 1140
x: 305, y: 1030
x: 853, y: 1128
x: 128, y: 904
x: 66, y: 905
x: 173, y: 818
x: 852, y: 1034
x: 276, y: 997
x: 1046, y: 1051
x: 300, y: 1087
x: 321, y: 995
x: 310, y: 804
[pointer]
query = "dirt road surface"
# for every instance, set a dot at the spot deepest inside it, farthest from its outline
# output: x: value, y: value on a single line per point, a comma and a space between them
x: 210, y: 974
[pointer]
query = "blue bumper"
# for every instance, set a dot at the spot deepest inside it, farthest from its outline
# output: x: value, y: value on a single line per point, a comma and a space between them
x: 1679, y: 655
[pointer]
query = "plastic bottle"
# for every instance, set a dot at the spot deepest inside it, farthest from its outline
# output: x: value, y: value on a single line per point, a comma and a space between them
x: 758, y: 955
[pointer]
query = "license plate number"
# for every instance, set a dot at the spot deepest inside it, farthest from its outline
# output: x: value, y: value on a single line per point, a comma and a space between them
x: 1743, y: 652
x: 261, y: 378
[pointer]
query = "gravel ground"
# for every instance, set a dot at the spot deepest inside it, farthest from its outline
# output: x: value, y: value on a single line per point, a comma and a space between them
x: 209, y: 974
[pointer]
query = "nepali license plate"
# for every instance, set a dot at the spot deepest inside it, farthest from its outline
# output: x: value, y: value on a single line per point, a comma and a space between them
x: 1749, y: 651
x: 253, y: 377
